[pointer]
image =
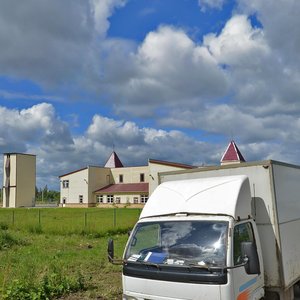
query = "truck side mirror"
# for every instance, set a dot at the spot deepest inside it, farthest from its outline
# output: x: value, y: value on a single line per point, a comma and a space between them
x: 249, y: 250
x: 110, y: 250
x: 111, y: 254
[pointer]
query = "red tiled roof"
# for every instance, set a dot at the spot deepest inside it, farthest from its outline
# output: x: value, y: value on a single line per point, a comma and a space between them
x: 232, y: 153
x: 113, y: 161
x: 142, y: 187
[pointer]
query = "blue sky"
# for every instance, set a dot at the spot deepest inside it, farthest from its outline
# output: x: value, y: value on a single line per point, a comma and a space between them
x: 167, y: 79
x: 139, y: 17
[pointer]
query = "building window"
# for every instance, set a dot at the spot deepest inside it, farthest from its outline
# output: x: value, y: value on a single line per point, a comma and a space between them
x: 121, y: 178
x: 80, y: 198
x: 142, y: 177
x: 144, y: 199
x: 99, y: 198
x: 110, y: 198
x: 118, y: 200
x: 135, y: 200
x: 64, y: 200
x: 65, y: 184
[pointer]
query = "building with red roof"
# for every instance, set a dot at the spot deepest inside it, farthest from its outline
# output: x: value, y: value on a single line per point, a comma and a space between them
x: 113, y: 184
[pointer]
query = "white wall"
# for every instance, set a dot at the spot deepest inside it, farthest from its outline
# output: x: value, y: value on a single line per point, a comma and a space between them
x: 130, y: 174
x: 78, y: 185
x: 155, y: 169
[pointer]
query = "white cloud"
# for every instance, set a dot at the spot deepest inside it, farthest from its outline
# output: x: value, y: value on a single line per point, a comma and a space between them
x: 263, y: 81
x: 38, y: 130
x: 238, y: 44
x: 110, y: 132
x: 102, y: 10
x: 243, y: 82
x: 36, y: 125
x: 44, y: 40
x: 216, y: 4
x: 13, y: 95
x: 136, y: 144
x: 168, y: 69
x: 55, y: 43
x: 281, y: 23
x: 234, y: 84
x: 229, y: 121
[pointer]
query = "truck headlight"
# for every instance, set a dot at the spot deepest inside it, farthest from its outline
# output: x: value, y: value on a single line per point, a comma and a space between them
x: 126, y: 297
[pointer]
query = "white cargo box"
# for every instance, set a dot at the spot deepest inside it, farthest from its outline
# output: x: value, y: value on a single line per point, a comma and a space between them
x: 275, y: 192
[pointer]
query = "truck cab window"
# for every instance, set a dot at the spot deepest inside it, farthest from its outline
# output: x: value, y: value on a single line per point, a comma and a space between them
x: 242, y: 233
x: 179, y: 243
x: 148, y: 237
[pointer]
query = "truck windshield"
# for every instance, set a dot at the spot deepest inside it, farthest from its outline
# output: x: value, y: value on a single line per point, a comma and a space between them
x: 185, y: 243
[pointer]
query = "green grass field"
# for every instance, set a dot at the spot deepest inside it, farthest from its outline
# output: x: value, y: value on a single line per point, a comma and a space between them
x: 60, y: 253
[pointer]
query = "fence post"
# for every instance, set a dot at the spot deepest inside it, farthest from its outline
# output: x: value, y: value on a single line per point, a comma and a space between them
x: 85, y: 219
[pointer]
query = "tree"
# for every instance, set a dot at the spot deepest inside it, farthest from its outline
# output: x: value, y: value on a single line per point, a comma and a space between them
x: 46, y: 195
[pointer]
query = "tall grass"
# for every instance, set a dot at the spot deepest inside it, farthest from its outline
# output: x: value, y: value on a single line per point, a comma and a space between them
x: 69, y: 220
x: 64, y: 244
x: 51, y: 286
x: 7, y: 240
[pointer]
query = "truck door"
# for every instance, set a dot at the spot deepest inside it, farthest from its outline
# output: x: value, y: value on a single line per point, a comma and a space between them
x: 246, y: 286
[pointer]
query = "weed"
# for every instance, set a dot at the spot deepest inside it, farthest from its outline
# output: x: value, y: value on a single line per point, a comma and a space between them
x: 17, y: 290
x: 7, y: 240
x: 52, y: 253
x: 50, y: 287
x: 37, y: 229
x: 3, y: 226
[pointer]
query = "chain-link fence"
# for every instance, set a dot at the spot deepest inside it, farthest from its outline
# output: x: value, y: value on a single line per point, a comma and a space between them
x: 69, y: 220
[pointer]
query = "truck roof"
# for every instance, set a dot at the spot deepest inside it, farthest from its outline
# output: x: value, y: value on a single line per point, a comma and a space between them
x: 228, y: 195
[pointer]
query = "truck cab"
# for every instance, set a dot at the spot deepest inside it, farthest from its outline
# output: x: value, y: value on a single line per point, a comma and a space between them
x: 195, y: 239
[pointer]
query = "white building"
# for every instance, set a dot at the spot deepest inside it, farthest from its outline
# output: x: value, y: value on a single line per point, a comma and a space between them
x: 113, y: 183
x: 19, y: 173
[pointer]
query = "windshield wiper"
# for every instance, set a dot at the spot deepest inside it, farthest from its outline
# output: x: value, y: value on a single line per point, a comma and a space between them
x: 145, y: 263
x: 197, y: 266
x: 207, y: 267
x: 189, y: 266
x: 203, y: 266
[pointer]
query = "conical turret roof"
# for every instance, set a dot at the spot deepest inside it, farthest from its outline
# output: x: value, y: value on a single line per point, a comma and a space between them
x: 232, y: 154
x: 113, y: 161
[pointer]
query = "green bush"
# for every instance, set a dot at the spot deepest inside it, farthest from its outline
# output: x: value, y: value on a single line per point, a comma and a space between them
x: 7, y: 240
x: 3, y: 226
x: 51, y: 287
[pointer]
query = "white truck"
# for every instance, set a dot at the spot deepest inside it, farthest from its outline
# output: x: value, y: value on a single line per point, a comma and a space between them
x: 217, y: 233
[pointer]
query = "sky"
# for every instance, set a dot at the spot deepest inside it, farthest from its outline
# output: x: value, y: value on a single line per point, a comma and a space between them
x: 173, y: 80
